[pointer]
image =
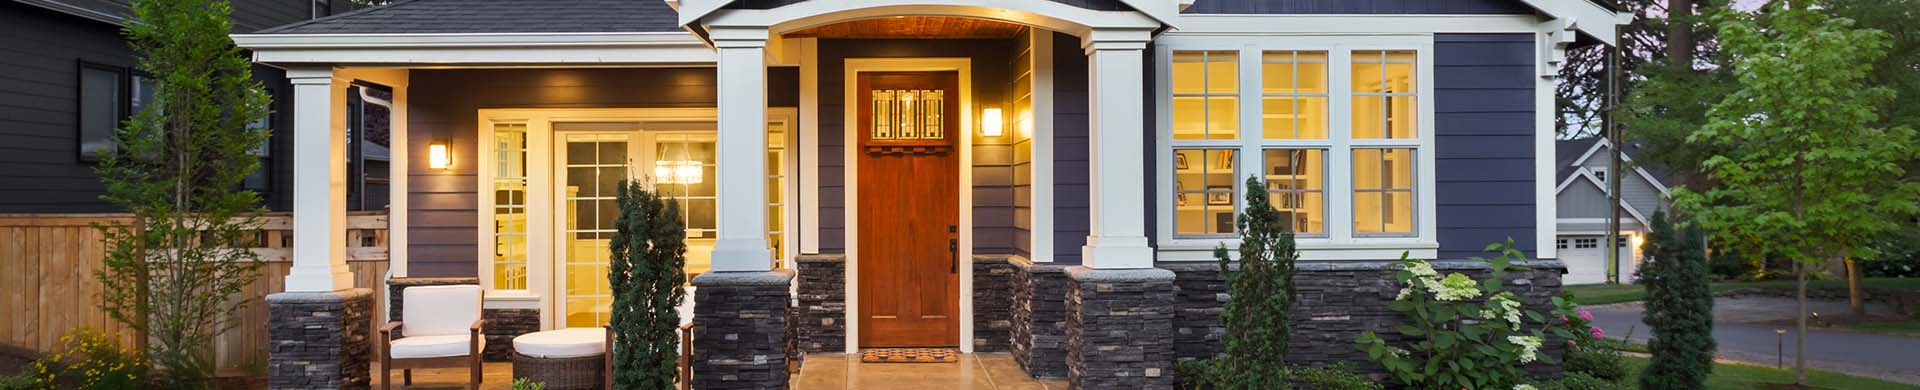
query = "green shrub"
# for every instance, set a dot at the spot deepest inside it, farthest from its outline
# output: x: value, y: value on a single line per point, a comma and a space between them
x: 1200, y: 374
x: 1679, y: 309
x: 1261, y: 295
x: 649, y: 250
x: 528, y: 384
x: 1597, y: 361
x: 1462, y: 333
x: 1581, y: 381
x: 90, y: 360
x: 1335, y: 377
x: 17, y: 382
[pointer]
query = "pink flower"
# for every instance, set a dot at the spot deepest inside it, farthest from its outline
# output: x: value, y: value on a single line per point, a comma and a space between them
x: 1586, y: 315
x: 1563, y: 319
x: 1597, y: 333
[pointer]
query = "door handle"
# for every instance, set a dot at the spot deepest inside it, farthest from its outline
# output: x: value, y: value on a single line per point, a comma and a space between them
x: 953, y: 249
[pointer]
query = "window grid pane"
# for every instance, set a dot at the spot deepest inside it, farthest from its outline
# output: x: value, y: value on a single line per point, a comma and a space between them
x: 1384, y: 89
x: 510, y: 206
x: 1294, y: 97
x: 1204, y: 192
x: 1296, y: 185
x: 1206, y: 95
x: 1383, y: 191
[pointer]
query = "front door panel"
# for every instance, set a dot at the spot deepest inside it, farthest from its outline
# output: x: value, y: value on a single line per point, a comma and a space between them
x: 909, y: 208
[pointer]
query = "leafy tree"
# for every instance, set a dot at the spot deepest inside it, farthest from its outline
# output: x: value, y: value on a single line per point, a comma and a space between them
x: 649, y: 251
x: 1263, y: 293
x: 1679, y: 309
x: 177, y: 167
x: 1804, y: 170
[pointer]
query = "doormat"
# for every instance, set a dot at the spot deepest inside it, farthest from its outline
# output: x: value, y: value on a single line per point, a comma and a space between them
x: 909, y: 355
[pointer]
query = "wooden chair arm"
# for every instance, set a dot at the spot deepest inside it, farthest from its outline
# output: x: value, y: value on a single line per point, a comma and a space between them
x: 477, y: 325
x: 386, y: 331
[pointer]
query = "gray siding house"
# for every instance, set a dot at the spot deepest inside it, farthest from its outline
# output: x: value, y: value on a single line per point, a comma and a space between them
x: 1583, y: 206
x: 985, y: 175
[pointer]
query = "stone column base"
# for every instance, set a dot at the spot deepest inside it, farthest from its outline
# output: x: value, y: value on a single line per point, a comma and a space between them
x: 1119, y: 328
x: 823, y: 303
x: 740, y: 330
x: 1040, y: 318
x: 320, y: 340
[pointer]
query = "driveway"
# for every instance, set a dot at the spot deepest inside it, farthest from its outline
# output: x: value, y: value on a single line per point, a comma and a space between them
x: 1743, y: 327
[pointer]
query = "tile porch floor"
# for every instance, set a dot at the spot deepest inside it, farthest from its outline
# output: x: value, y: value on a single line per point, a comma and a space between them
x: 981, y: 371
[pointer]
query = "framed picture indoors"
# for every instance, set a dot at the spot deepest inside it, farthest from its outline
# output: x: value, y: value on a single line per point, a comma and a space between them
x: 1219, y: 196
x: 1180, y: 161
x: 1223, y: 222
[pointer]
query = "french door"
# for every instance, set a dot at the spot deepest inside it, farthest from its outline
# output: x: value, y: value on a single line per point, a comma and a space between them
x: 589, y: 167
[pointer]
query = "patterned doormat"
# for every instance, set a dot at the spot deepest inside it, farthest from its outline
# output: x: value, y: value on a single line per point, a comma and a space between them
x: 909, y: 355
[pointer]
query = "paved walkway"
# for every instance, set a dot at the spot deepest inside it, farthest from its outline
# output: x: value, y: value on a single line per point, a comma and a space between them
x: 981, y: 371
x: 1745, y: 329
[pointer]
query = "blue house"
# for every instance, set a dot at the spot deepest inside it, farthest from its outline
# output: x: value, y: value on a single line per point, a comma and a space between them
x: 1047, y: 178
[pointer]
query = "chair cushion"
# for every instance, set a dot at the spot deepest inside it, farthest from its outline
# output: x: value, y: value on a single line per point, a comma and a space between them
x: 433, y: 346
x: 439, y: 310
x: 563, y: 343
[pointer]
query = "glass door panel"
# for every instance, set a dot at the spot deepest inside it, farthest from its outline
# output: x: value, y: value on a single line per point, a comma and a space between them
x: 594, y: 166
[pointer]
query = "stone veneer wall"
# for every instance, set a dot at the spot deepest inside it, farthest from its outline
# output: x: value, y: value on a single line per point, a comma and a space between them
x: 740, y: 329
x: 1039, y: 330
x: 1337, y: 302
x: 320, y: 340
x: 502, y: 324
x: 1119, y: 324
x: 993, y: 303
x: 822, y: 310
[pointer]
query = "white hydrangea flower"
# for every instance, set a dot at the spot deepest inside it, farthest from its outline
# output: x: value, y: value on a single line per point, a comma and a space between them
x: 1523, y: 386
x: 1455, y: 287
x: 1421, y: 269
x: 1509, y: 309
x: 1529, y: 347
x: 1404, y: 292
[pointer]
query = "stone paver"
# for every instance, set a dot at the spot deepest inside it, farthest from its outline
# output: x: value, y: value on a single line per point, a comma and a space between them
x: 982, y: 371
x: 1745, y: 329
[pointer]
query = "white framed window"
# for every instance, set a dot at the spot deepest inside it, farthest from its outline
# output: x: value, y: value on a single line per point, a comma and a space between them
x: 1338, y: 128
x: 1599, y: 174
x: 1560, y: 243
x: 1586, y: 243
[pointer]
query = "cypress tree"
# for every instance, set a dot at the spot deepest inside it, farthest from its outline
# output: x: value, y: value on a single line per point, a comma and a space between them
x: 1679, y: 309
x: 649, y: 251
x: 1261, y: 294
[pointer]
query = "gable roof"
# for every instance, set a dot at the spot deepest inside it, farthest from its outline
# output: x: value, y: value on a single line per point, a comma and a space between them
x: 494, y: 16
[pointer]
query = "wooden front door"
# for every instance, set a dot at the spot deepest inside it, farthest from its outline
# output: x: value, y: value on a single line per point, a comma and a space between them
x: 909, y: 208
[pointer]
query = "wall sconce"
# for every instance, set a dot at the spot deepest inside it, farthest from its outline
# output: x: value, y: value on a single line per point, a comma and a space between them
x: 438, y: 157
x: 990, y: 122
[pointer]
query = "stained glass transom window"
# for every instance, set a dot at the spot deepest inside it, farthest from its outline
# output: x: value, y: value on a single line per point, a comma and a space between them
x: 908, y: 114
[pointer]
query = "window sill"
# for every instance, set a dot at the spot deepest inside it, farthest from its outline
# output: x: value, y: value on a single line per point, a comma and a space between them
x: 511, y: 299
x: 1313, y: 249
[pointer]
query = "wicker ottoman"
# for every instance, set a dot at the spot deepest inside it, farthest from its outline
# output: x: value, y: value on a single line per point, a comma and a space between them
x: 566, y: 359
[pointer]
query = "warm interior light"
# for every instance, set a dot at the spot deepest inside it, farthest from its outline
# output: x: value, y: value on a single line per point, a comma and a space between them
x: 437, y: 157
x: 678, y: 172
x: 990, y: 122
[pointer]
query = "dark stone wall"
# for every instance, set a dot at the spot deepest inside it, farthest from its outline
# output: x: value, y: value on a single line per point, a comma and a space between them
x: 1337, y: 302
x: 1039, y: 329
x: 320, y: 340
x: 1118, y: 328
x: 740, y: 337
x: 822, y: 310
x: 993, y: 303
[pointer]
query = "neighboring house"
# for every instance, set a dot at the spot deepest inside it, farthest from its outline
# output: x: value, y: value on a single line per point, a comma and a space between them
x: 989, y: 175
x: 1581, y: 229
x: 70, y: 80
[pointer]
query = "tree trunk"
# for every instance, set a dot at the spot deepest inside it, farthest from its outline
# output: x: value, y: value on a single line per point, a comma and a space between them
x: 1680, y: 33
x: 142, y: 293
x: 1856, y: 299
x: 1800, y: 325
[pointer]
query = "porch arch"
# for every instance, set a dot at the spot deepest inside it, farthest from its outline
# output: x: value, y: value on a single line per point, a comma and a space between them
x: 1049, y: 15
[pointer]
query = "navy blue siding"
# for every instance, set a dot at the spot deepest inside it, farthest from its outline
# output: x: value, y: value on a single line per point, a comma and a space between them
x: 1359, y: 7
x: 1484, y: 141
x: 1070, y: 149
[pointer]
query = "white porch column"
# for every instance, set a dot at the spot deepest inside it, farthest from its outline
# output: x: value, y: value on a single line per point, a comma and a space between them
x: 1117, y: 238
x: 742, y: 241
x: 320, y: 185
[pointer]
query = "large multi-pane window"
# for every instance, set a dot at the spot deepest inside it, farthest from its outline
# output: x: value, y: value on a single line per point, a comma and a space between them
x: 1291, y: 140
x: 684, y: 167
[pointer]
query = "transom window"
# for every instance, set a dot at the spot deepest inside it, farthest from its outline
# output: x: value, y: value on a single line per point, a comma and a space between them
x: 1291, y: 140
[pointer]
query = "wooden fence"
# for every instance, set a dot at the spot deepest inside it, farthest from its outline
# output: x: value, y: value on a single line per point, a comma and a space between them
x: 47, y: 262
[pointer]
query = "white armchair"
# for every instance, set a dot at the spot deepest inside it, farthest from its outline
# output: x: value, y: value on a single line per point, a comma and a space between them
x: 441, y: 328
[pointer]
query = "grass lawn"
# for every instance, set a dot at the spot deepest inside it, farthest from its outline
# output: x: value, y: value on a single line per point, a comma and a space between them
x: 1601, y: 294
x: 1910, y: 327
x: 1745, y: 377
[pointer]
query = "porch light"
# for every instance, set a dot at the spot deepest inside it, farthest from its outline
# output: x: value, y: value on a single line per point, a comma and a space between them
x: 678, y: 172
x: 437, y: 156
x: 990, y: 122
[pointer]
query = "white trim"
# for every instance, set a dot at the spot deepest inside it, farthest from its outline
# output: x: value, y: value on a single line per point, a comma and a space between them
x: 1340, y: 243
x: 479, y: 48
x: 1593, y: 19
x: 319, y: 217
x: 809, y: 150
x: 1045, y: 14
x: 1546, y: 206
x: 1041, y: 246
x: 1601, y: 184
x: 1348, y: 24
x: 850, y: 138
x: 1625, y: 159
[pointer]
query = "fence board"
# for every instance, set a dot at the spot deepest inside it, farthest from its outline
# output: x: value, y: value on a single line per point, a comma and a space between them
x: 48, y: 263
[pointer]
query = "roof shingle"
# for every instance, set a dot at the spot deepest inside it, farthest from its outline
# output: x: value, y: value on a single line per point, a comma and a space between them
x: 495, y: 16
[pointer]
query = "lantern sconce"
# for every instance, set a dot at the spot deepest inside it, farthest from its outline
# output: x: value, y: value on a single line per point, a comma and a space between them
x: 990, y: 125
x: 438, y: 157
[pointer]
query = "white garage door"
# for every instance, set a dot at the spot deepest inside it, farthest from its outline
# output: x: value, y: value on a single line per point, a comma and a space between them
x: 1586, y: 262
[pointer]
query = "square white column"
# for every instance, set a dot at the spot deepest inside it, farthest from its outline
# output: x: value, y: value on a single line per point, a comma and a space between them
x: 319, y: 184
x: 742, y: 185
x: 1117, y: 238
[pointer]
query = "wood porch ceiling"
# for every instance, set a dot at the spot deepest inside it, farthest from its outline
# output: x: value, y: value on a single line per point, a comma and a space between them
x: 914, y: 27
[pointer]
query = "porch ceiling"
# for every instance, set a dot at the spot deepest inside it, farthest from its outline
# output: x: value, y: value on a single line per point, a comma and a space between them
x: 914, y: 27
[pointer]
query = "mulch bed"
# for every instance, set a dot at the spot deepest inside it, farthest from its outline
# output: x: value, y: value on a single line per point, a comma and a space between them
x: 14, y: 360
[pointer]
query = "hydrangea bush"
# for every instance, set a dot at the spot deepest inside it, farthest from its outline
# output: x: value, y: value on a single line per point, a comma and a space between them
x: 1465, y: 333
